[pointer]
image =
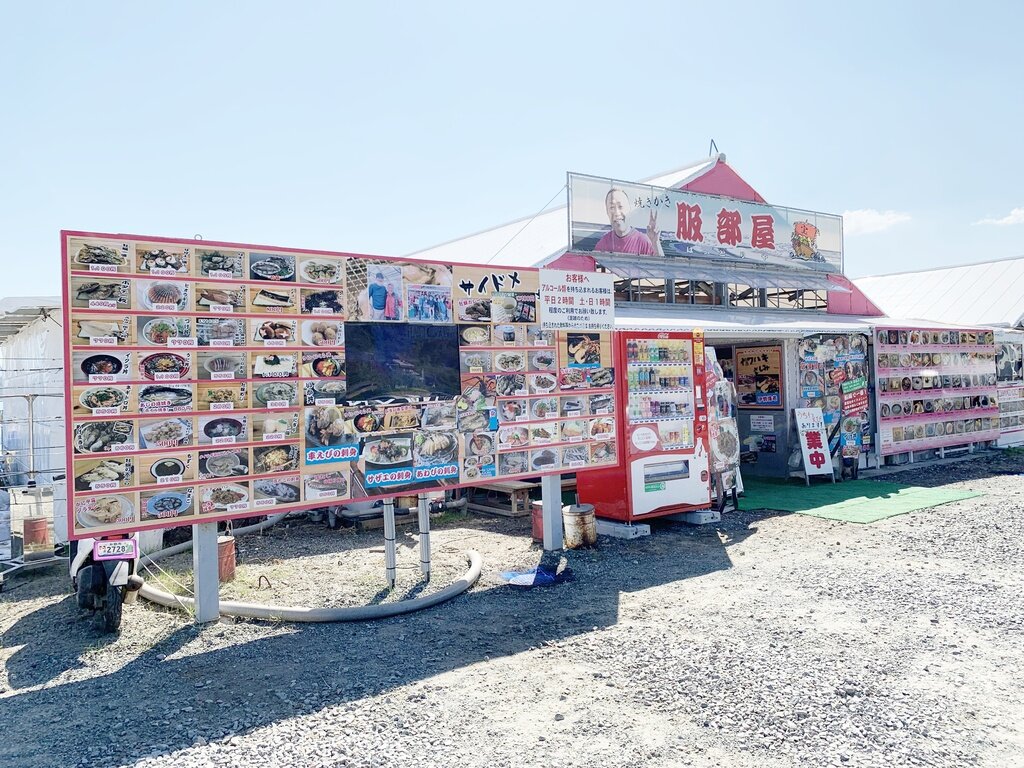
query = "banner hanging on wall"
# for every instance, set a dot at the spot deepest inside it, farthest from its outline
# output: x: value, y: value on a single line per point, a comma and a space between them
x: 759, y: 377
x: 612, y: 216
x: 217, y: 380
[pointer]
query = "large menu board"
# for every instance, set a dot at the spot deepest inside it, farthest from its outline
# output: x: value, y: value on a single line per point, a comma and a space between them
x: 936, y: 388
x: 216, y: 380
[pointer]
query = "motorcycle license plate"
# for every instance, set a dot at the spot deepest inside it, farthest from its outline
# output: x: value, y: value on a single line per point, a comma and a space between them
x: 117, y: 549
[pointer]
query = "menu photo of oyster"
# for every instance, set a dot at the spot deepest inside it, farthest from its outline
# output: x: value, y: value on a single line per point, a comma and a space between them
x: 283, y: 490
x: 224, y: 264
x: 513, y: 463
x: 474, y: 310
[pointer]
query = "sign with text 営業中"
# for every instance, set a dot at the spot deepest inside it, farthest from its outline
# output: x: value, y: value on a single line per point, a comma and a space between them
x: 612, y: 216
x: 810, y: 425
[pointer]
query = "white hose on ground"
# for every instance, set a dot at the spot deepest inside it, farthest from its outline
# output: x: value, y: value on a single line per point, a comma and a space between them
x: 287, y: 613
x: 355, y: 613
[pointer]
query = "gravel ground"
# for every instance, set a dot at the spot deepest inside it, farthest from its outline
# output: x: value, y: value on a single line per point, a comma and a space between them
x: 769, y: 640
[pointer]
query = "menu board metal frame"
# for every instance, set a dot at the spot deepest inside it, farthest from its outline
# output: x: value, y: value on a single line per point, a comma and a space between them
x: 210, y: 380
x: 947, y: 378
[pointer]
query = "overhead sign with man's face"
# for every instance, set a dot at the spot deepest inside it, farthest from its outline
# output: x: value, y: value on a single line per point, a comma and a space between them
x: 612, y: 216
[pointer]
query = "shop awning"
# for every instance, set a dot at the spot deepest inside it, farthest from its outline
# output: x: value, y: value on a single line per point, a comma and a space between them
x: 715, y: 272
x: 737, y: 323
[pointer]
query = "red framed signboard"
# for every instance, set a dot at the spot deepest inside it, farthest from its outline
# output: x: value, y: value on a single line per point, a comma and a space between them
x: 212, y: 380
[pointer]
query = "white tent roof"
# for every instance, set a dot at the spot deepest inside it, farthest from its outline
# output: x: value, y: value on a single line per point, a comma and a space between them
x: 723, y: 323
x: 989, y: 293
x: 18, y: 311
x: 536, y: 239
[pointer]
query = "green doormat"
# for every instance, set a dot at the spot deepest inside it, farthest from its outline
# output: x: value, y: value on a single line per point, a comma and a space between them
x: 853, y: 501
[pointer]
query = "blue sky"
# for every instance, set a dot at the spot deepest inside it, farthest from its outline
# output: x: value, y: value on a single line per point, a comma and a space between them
x: 385, y: 128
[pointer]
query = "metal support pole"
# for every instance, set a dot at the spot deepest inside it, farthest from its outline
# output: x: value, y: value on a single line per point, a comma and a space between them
x: 551, y: 497
x: 424, y: 510
x: 204, y: 566
x: 31, y: 402
x: 389, y: 541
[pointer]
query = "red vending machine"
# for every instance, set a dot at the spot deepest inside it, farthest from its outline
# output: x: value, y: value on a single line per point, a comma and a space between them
x: 663, y: 430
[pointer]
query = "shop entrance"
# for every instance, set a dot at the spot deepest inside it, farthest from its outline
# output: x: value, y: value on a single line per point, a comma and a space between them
x: 757, y: 368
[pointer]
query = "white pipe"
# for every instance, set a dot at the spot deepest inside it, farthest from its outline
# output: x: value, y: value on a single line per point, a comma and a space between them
x: 357, y: 613
x: 390, y: 559
x: 424, y: 510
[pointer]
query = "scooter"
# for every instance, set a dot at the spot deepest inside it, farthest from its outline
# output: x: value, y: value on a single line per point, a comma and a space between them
x: 103, y: 575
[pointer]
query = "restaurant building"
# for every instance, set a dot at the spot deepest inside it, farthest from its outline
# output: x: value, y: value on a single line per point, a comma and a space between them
x: 790, y: 329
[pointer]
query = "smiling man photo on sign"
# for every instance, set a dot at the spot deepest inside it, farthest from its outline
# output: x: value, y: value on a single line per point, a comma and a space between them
x: 624, y: 238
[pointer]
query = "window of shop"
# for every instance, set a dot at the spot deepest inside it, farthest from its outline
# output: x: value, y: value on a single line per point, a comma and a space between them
x: 744, y: 296
x: 674, y: 291
x: 645, y: 290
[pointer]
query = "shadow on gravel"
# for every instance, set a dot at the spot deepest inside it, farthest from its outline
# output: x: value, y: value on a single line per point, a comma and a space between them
x: 235, y: 689
x: 34, y: 664
x: 979, y: 467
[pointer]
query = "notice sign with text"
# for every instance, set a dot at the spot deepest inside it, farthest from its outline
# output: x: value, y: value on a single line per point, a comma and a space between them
x: 810, y: 424
x: 576, y: 300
